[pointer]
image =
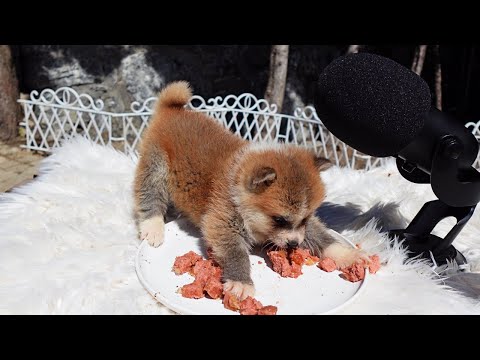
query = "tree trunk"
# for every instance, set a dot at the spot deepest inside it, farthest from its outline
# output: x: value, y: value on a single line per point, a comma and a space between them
x: 9, y: 108
x: 419, y: 59
x: 438, y: 77
x: 278, y: 75
x: 353, y: 49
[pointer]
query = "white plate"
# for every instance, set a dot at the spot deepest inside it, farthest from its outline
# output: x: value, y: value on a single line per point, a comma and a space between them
x: 314, y: 292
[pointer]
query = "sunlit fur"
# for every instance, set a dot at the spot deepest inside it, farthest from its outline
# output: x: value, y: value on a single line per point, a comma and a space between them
x: 294, y: 195
x: 207, y: 163
x: 230, y: 188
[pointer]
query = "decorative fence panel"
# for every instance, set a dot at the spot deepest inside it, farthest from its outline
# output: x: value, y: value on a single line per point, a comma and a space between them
x: 53, y: 115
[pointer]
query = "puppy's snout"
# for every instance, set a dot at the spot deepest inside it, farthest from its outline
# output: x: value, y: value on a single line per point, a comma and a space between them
x: 292, y: 244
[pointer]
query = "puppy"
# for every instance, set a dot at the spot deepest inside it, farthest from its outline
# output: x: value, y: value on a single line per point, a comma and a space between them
x: 239, y: 194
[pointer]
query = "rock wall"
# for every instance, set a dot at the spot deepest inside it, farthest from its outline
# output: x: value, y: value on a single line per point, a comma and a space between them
x: 120, y: 74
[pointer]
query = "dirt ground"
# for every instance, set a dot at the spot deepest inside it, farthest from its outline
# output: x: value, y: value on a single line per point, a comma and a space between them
x: 17, y: 165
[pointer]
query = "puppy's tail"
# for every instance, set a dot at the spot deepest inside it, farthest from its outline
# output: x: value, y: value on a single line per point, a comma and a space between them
x: 174, y: 95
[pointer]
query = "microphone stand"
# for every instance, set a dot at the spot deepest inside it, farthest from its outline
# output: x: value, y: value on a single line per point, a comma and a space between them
x: 419, y: 240
x: 458, y: 188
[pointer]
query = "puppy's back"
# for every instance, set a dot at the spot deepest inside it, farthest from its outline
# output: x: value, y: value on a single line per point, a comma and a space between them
x: 196, y: 148
x: 168, y: 107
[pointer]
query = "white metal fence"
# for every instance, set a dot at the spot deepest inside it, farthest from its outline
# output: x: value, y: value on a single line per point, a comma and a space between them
x: 52, y: 115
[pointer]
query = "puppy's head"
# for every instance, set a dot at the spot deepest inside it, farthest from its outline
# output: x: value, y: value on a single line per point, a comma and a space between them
x: 277, y: 190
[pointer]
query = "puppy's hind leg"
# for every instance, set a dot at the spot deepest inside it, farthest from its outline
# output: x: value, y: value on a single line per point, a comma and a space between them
x: 151, y: 196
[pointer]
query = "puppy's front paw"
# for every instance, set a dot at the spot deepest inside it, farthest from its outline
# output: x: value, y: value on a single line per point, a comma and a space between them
x: 345, y: 255
x: 239, y: 289
x: 153, y: 230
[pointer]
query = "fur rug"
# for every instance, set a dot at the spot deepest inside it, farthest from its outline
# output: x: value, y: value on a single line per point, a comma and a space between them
x: 68, y: 241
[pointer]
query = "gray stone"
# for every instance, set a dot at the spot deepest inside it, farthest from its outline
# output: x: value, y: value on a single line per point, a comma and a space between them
x: 69, y: 73
x: 140, y: 78
x: 120, y: 74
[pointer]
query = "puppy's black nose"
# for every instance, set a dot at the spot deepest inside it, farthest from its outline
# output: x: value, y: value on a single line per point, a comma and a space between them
x: 292, y: 244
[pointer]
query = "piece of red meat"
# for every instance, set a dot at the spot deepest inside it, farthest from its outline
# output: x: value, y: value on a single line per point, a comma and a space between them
x: 268, y: 310
x: 193, y: 290
x: 374, y: 265
x: 354, y: 272
x: 289, y: 264
x: 208, y: 279
x: 250, y: 306
x: 214, y: 288
x: 231, y: 302
x: 185, y: 263
x: 302, y: 257
x: 327, y: 264
x: 295, y: 270
x: 203, y: 270
x: 280, y: 262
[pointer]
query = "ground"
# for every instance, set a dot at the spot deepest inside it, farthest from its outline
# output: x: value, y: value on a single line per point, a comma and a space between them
x: 17, y: 165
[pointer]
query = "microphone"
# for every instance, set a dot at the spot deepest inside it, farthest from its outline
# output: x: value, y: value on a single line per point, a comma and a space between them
x: 381, y: 108
x: 372, y: 103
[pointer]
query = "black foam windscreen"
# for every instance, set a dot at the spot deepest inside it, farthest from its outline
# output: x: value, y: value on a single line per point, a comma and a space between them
x: 372, y: 103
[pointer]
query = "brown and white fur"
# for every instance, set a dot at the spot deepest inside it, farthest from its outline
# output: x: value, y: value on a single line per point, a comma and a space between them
x: 239, y: 194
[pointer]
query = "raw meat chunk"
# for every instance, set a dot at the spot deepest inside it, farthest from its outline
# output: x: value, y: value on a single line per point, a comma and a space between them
x: 327, y: 264
x: 374, y: 264
x: 280, y: 262
x: 185, y: 263
x: 214, y: 288
x: 355, y: 272
x: 208, y: 279
x: 193, y: 290
x: 289, y: 264
x: 295, y: 270
x: 268, y: 310
x: 250, y: 306
x: 203, y: 271
x: 231, y: 302
x: 303, y: 257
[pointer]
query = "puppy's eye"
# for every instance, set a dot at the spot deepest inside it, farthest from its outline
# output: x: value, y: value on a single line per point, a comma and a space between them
x: 280, y: 221
x: 304, y: 222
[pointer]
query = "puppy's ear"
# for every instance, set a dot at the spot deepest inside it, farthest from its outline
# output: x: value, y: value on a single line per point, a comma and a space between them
x: 321, y: 163
x: 261, y: 178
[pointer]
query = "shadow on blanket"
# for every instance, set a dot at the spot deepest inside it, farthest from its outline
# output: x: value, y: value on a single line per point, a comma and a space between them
x: 388, y: 217
x: 350, y: 216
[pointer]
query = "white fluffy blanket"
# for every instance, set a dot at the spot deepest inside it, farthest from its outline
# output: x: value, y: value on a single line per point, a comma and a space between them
x: 68, y: 241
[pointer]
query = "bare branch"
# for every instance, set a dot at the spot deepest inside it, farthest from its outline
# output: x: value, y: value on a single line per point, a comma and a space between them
x: 278, y: 75
x: 419, y: 59
x: 9, y: 108
x: 353, y: 49
x: 438, y: 77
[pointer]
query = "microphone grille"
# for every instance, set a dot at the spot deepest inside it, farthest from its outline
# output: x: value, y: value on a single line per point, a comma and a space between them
x: 372, y: 103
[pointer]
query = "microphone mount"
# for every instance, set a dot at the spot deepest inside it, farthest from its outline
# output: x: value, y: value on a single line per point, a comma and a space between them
x: 419, y: 240
x: 454, y: 181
